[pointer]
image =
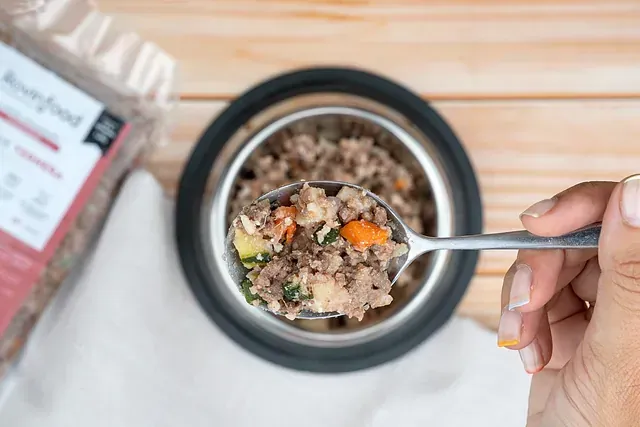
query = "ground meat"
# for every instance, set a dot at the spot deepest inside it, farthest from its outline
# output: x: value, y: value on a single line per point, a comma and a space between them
x: 345, y: 271
x: 379, y: 216
x: 329, y: 262
x: 274, y: 272
x: 255, y: 216
x: 313, y: 208
x: 384, y: 253
x: 313, y: 150
x: 371, y: 284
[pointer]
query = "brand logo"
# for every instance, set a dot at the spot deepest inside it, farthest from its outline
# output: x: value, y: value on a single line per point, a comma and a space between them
x: 40, y: 102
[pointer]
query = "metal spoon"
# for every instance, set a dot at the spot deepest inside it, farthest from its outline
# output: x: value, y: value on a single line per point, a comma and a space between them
x: 418, y: 244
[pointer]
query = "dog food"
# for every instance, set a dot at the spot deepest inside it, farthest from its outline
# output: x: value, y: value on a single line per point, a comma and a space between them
x: 341, y: 150
x: 321, y: 254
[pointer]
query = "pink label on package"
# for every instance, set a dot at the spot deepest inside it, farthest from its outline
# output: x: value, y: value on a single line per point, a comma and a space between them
x: 55, y: 144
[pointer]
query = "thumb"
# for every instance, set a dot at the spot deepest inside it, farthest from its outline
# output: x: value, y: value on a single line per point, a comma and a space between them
x: 616, y: 316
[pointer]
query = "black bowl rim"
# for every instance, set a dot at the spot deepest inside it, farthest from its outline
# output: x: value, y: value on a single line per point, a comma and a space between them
x: 189, y: 239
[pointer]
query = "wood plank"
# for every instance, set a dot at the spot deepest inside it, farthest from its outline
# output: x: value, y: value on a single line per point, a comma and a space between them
x: 442, y: 49
x: 482, y: 300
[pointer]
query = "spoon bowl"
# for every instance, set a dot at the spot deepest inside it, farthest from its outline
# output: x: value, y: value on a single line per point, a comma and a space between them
x: 281, y: 196
x: 417, y: 244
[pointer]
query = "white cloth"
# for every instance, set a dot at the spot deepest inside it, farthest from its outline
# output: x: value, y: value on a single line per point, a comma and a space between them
x: 126, y: 344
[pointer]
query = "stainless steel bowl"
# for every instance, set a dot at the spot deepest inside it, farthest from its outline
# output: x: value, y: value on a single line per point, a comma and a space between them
x: 326, y: 111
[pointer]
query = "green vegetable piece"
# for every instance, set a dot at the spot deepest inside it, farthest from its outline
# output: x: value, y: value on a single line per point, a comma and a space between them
x: 246, y: 284
x: 259, y: 259
x: 249, y: 246
x: 292, y: 292
x: 330, y: 237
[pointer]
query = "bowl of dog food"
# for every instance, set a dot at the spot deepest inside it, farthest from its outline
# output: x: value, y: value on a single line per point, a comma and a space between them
x: 336, y: 124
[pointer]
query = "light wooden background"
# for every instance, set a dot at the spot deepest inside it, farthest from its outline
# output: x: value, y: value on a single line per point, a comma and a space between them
x: 543, y: 93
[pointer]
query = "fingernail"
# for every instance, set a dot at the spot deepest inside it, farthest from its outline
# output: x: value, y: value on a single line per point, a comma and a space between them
x: 531, y: 357
x: 509, y: 328
x: 538, y: 209
x: 520, y: 287
x: 631, y: 201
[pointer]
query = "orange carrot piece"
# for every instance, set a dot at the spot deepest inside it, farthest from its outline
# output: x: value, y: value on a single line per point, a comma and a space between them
x: 291, y: 230
x: 400, y: 184
x: 364, y: 234
x: 280, y: 215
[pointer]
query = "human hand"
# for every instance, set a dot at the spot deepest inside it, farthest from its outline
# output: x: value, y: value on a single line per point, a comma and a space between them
x: 574, y: 315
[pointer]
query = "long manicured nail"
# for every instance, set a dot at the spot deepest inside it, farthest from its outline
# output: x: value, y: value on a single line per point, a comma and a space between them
x: 531, y: 357
x: 510, y: 328
x: 630, y: 205
x: 520, y: 287
x: 538, y: 209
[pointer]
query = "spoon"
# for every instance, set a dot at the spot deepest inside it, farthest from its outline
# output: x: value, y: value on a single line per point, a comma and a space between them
x: 418, y: 244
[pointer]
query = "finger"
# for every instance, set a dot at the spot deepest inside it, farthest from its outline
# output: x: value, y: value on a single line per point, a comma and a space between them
x: 585, y: 284
x: 510, y: 327
x: 566, y: 336
x: 571, y: 330
x: 546, y: 344
x: 536, y: 355
x: 541, y: 386
x: 563, y: 312
x: 564, y: 305
x: 580, y: 205
x: 517, y: 329
x: 618, y: 296
x: 539, y: 275
x: 528, y: 286
x: 566, y: 332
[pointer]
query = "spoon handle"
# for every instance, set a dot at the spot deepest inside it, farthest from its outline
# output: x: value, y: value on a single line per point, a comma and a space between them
x: 586, y: 237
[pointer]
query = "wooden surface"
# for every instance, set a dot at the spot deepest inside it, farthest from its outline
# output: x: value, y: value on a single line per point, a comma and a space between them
x: 543, y: 93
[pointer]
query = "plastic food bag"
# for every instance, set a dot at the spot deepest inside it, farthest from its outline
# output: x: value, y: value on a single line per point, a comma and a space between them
x: 81, y: 101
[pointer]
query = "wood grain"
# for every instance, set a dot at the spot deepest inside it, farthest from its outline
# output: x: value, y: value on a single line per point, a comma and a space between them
x: 442, y: 49
x: 482, y: 300
x: 523, y: 151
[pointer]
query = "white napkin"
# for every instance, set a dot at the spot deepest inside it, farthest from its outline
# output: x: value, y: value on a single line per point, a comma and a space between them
x: 126, y: 344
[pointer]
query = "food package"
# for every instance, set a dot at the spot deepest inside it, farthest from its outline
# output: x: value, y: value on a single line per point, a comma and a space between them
x: 82, y: 101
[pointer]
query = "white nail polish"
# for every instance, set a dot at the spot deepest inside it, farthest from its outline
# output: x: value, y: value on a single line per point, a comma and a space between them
x: 521, y: 287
